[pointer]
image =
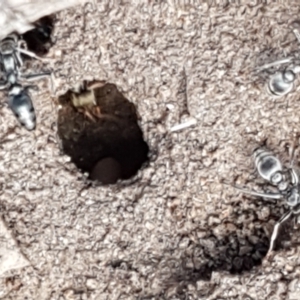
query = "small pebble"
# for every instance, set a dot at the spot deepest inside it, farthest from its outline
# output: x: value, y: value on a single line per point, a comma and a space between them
x: 107, y: 171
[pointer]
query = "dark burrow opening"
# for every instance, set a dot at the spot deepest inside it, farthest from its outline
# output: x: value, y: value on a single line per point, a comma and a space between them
x: 98, y: 128
x: 38, y: 39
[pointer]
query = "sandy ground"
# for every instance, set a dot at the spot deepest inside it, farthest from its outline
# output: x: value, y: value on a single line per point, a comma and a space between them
x: 174, y: 231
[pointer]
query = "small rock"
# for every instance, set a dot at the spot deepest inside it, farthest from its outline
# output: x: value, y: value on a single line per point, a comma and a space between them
x: 91, y: 284
x: 107, y: 171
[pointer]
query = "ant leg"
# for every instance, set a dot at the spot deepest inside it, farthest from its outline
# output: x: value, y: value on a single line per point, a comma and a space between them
x: 275, y: 63
x: 294, y: 177
x: 18, y: 58
x: 90, y: 116
x: 37, y: 76
x: 96, y: 84
x: 292, y: 149
x: 276, y: 196
x: 97, y: 112
x: 283, y: 219
x: 296, y: 32
x: 293, y: 173
x: 33, y: 87
x: 86, y: 114
x: 33, y: 55
x: 53, y: 84
x: 33, y: 77
x: 3, y: 85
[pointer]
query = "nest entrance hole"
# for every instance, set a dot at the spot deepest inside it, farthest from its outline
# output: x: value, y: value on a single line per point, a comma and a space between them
x: 38, y: 39
x: 98, y: 128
